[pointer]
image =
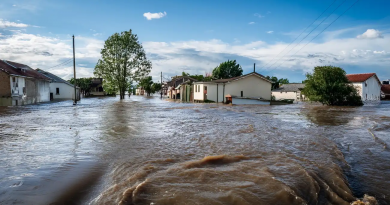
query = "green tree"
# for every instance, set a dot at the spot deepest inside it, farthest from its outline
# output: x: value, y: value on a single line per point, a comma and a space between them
x: 330, y: 86
x: 156, y: 87
x: 123, y: 60
x: 227, y: 69
x: 146, y: 84
x: 83, y: 83
x: 277, y: 82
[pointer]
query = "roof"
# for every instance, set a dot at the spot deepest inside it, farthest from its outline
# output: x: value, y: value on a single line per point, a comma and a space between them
x: 12, y: 68
x: 361, y: 77
x: 385, y: 89
x: 291, y: 87
x: 238, y: 78
x: 54, y: 78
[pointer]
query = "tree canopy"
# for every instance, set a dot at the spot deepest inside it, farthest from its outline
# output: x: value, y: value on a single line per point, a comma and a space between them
x: 123, y: 60
x: 227, y: 69
x: 277, y: 82
x: 148, y: 85
x: 330, y: 86
x: 83, y: 83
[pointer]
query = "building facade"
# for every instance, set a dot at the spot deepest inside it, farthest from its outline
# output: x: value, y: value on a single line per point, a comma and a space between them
x: 368, y: 86
x: 22, y: 85
x: 291, y: 91
x: 250, y: 86
x: 60, y: 89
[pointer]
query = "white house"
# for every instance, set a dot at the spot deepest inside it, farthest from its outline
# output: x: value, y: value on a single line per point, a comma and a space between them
x: 289, y: 91
x: 22, y: 85
x: 251, y: 88
x: 368, y: 86
x: 60, y: 89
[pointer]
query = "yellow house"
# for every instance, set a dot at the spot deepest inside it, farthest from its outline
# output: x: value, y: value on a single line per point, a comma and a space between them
x: 252, y: 88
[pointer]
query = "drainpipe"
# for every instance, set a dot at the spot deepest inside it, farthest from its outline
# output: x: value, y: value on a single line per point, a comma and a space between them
x: 223, y: 93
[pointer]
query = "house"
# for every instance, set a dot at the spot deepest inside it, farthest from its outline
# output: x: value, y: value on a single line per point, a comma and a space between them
x: 385, y: 92
x: 97, y: 87
x: 186, y: 91
x: 139, y: 91
x: 22, y: 85
x: 173, y: 90
x: 368, y: 86
x: 289, y: 91
x: 252, y: 88
x: 60, y: 89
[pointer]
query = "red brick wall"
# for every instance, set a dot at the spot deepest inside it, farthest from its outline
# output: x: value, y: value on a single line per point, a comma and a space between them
x: 5, y: 85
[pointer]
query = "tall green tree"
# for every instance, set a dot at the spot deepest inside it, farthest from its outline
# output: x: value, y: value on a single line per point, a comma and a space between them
x: 330, y: 86
x: 277, y: 82
x: 83, y: 83
x: 227, y: 69
x: 146, y: 84
x: 123, y: 61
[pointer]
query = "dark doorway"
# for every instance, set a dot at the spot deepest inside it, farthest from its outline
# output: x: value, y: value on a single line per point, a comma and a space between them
x: 51, y: 97
x: 242, y: 93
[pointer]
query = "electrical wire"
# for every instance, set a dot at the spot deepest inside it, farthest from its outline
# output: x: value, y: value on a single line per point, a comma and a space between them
x: 323, y: 29
x: 61, y: 64
x: 299, y: 34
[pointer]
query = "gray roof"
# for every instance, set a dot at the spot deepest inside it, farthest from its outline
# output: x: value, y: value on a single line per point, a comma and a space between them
x: 54, y: 78
x: 292, y: 87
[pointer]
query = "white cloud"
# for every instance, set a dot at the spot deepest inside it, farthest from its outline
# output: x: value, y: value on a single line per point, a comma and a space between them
x: 97, y: 34
x: 14, y: 5
x: 251, y: 23
x: 9, y: 24
x: 258, y: 15
x: 270, y: 32
x: 371, y: 34
x: 151, y: 16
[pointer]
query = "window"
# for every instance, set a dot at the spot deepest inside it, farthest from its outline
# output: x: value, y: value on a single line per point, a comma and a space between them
x: 366, y: 96
x: 242, y: 93
x: 13, y: 79
x: 57, y: 91
x: 365, y: 84
x: 24, y: 90
x: 196, y: 88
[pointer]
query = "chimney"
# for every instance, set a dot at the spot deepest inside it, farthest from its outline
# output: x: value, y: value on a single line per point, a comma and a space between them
x: 254, y: 67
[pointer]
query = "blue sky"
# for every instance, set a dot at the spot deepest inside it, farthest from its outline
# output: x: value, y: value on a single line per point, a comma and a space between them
x: 195, y: 36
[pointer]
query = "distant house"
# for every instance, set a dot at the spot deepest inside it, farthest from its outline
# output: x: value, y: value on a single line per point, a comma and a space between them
x: 97, y: 87
x: 368, y: 86
x: 22, y: 85
x: 252, y: 88
x: 186, y: 91
x: 60, y: 89
x: 385, y: 92
x: 289, y: 91
x: 139, y: 91
x: 173, y: 91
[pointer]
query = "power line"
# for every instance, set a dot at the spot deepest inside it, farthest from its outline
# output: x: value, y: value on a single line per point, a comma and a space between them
x: 61, y: 64
x: 308, y: 33
x: 300, y: 34
x: 323, y: 29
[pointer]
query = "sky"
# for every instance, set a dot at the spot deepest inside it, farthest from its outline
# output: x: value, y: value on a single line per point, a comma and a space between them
x: 284, y: 38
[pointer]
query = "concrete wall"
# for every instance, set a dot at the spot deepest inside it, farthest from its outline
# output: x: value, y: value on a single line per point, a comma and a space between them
x: 252, y: 86
x: 66, y: 91
x: 240, y: 101
x: 5, y: 86
x: 372, y: 91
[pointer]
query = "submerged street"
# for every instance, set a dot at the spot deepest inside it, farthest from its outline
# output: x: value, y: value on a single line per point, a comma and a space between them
x: 144, y: 150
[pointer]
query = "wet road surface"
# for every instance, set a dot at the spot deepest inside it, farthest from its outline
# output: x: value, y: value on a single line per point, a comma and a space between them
x: 149, y: 151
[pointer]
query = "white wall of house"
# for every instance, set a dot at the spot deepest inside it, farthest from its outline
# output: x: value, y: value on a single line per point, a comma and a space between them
x: 43, y: 91
x: 65, y: 91
x: 370, y: 90
x: 284, y: 95
x: 198, y: 91
x: 212, y: 92
x: 252, y: 86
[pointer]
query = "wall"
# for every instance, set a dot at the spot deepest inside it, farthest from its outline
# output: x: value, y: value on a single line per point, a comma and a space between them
x: 284, y: 95
x: 66, y: 91
x: 252, y: 86
x: 198, y: 94
x: 5, y: 86
x: 212, y: 92
x: 372, y: 91
x: 240, y: 101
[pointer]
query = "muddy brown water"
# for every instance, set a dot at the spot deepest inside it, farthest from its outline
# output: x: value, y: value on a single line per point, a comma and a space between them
x: 148, y: 151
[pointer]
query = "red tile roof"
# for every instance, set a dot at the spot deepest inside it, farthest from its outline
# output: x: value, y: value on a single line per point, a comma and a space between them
x: 385, y: 89
x: 357, y: 78
x: 12, y: 68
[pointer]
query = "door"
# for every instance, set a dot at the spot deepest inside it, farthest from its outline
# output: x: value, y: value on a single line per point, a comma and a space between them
x: 51, y: 96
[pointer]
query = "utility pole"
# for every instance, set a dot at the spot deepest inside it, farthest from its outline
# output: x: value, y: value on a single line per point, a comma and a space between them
x: 161, y: 86
x: 74, y: 74
x: 254, y: 67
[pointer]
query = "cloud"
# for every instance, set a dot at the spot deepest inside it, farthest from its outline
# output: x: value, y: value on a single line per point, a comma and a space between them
x: 9, y: 24
x: 97, y: 34
x: 258, y: 15
x: 151, y: 16
x: 251, y: 23
x: 14, y: 5
x: 270, y: 32
x: 370, y: 34
x: 45, y: 52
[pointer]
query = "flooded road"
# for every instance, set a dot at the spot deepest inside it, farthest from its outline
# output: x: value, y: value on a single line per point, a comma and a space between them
x: 148, y: 151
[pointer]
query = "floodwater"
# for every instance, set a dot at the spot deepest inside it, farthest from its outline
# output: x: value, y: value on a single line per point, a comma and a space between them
x: 147, y: 151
